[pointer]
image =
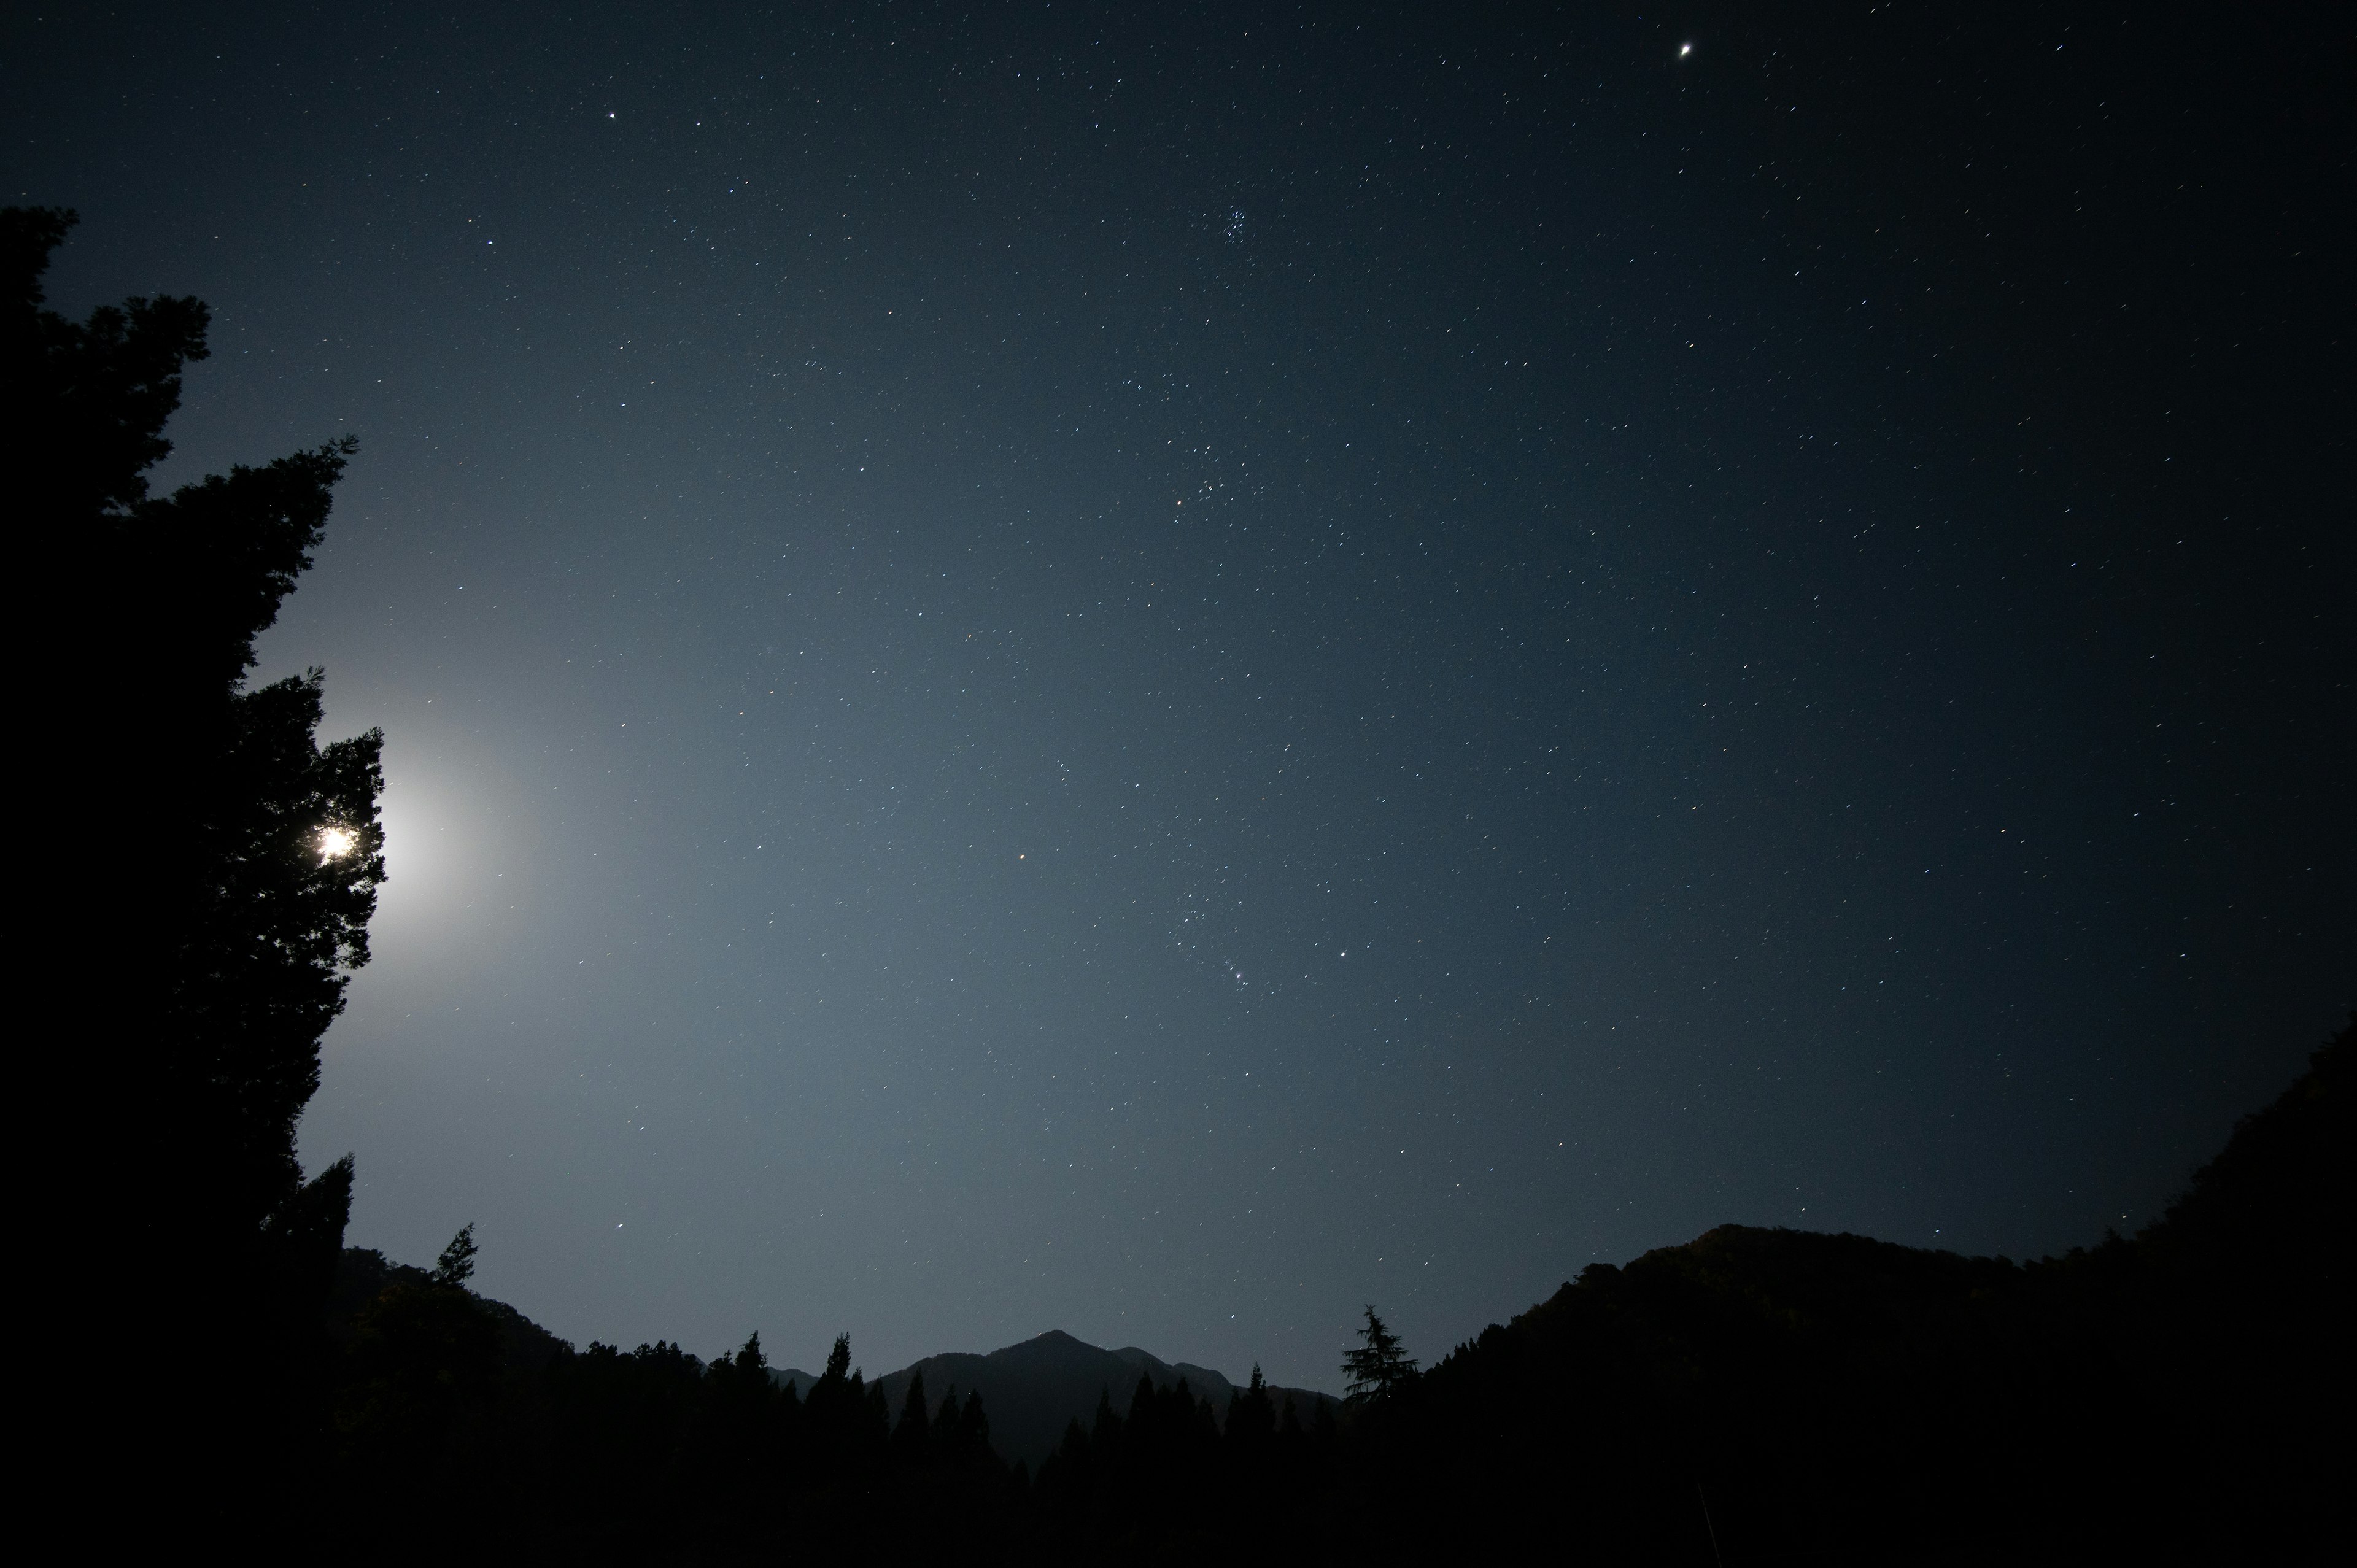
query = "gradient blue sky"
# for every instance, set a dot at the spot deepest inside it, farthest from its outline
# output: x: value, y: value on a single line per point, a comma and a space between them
x: 1160, y: 673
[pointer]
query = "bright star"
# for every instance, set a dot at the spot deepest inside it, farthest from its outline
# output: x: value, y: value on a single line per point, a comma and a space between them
x: 1685, y: 50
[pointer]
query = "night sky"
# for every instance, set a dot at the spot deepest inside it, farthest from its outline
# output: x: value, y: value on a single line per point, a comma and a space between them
x: 1163, y: 671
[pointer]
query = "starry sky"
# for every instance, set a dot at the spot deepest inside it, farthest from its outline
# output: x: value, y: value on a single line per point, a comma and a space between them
x: 1161, y: 671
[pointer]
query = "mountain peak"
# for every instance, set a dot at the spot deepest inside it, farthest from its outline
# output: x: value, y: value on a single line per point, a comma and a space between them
x: 1034, y: 1389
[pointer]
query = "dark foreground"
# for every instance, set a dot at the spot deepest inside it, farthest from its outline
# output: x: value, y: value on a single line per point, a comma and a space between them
x: 1751, y: 1396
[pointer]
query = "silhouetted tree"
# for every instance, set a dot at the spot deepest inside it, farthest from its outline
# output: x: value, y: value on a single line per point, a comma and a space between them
x: 456, y: 1266
x: 85, y: 403
x: 227, y: 863
x: 915, y: 1422
x: 1252, y: 1416
x: 973, y: 1430
x: 1378, y: 1367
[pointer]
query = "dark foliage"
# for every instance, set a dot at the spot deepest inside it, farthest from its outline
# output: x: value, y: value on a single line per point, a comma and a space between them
x: 205, y: 928
x: 650, y: 1454
x: 363, y: 1275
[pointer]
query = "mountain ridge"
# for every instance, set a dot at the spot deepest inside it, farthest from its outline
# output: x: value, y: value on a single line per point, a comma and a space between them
x: 1033, y: 1390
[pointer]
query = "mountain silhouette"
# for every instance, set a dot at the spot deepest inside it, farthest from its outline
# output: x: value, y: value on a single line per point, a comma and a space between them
x: 1751, y: 1395
x: 1769, y: 1393
x: 1033, y: 1391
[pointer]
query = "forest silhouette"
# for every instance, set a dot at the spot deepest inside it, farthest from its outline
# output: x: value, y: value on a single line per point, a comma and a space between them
x: 1752, y: 1395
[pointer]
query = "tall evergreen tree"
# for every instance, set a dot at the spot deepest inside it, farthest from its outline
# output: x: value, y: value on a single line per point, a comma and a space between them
x: 456, y: 1266
x: 1252, y: 1415
x: 916, y: 1422
x: 974, y: 1427
x: 226, y: 863
x: 1378, y: 1367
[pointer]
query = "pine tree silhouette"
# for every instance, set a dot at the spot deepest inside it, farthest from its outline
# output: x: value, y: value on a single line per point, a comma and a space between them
x: 238, y: 857
x: 1378, y: 1367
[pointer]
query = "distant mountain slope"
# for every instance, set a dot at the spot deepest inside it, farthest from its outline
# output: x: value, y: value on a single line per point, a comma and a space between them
x: 1031, y: 1392
x: 1749, y: 1396
x: 1759, y: 1393
x: 2278, y: 1199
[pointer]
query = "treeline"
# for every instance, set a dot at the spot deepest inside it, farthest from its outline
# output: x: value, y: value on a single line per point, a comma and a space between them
x: 439, y: 1410
x: 1751, y: 1396
x: 649, y: 1455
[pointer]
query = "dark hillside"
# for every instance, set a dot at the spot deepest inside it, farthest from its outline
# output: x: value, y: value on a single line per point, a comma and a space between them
x: 1752, y: 1395
x: 1849, y: 1399
x: 2275, y: 1192
x: 2240, y: 1306
x: 365, y: 1273
x: 1815, y: 1393
x: 1035, y: 1390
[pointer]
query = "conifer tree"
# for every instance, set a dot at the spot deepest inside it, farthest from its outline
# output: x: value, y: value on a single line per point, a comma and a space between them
x: 255, y: 853
x: 1379, y: 1368
x: 973, y: 1426
x: 456, y: 1266
x: 230, y: 859
x: 1251, y: 1417
x: 915, y: 1422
